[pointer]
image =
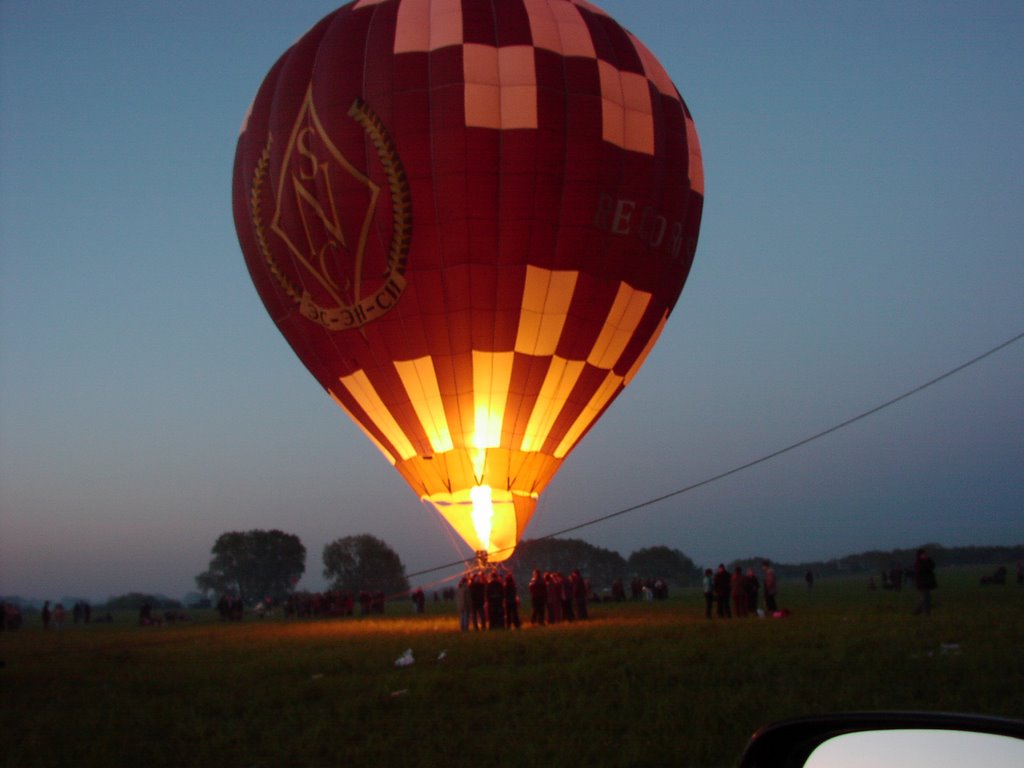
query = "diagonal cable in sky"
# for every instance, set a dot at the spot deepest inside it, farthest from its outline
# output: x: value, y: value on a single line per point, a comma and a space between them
x: 768, y: 456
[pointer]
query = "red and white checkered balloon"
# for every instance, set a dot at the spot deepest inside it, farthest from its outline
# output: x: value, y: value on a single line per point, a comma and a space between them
x: 471, y: 221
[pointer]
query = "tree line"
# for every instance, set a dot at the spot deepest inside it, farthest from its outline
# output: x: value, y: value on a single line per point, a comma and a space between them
x: 602, y: 567
x: 875, y: 560
x: 257, y: 564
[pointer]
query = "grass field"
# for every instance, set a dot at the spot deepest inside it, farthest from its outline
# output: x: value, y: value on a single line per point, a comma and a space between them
x: 638, y: 685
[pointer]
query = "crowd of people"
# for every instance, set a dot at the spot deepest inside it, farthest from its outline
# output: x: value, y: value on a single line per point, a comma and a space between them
x: 81, y: 612
x: 10, y: 616
x: 489, y: 599
x: 640, y: 589
x: 334, y: 603
x: 150, y: 618
x: 738, y: 593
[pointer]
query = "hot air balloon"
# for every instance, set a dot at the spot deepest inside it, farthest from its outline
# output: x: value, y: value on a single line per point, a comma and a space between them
x: 470, y: 220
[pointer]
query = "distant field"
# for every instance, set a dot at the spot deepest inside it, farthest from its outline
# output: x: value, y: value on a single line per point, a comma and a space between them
x: 639, y: 684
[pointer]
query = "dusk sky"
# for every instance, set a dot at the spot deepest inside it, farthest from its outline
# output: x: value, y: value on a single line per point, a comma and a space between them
x: 862, y: 234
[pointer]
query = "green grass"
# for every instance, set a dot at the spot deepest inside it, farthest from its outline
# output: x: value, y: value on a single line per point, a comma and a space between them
x: 640, y: 684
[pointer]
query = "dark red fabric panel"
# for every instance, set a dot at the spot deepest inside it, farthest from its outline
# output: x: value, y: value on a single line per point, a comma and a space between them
x: 528, y: 374
x: 611, y: 42
x: 478, y: 23
x: 446, y: 67
x: 511, y: 24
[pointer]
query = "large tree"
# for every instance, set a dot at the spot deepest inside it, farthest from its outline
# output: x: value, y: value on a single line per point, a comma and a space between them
x: 254, y: 565
x: 599, y: 566
x: 664, y: 563
x: 364, y: 562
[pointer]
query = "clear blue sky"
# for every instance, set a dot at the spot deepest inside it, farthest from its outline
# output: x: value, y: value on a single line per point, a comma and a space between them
x: 862, y: 234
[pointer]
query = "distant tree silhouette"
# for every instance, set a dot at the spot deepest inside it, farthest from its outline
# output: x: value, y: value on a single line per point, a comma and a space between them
x: 254, y: 564
x: 135, y: 600
x: 364, y: 562
x: 662, y: 562
x: 599, y: 566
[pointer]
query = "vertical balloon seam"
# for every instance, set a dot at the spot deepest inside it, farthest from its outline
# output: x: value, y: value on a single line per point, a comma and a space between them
x: 310, y: 336
x: 525, y: 402
x: 336, y: 28
x: 284, y: 282
x: 612, y: 157
x: 522, y: 402
x: 375, y: 366
x: 536, y: 362
x: 514, y: 464
x: 499, y: 230
x: 337, y: 19
x: 380, y: 354
x: 442, y: 265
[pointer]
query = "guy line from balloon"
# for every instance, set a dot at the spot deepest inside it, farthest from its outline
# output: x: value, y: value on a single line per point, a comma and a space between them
x: 452, y: 450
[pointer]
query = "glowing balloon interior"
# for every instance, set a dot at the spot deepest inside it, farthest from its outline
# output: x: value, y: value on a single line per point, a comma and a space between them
x: 470, y: 220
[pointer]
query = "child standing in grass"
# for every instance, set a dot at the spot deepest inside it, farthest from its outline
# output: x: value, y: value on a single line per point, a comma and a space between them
x: 709, y: 592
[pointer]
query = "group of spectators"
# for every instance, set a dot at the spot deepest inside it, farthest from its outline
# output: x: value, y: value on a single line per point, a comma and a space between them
x: 150, y: 618
x: 229, y: 607
x: 640, y: 589
x: 10, y: 616
x: 334, y: 603
x: 555, y: 598
x: 81, y: 612
x: 55, y: 617
x: 489, y: 599
x: 737, y: 593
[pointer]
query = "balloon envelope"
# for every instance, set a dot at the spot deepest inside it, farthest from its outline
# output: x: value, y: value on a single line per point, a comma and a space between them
x: 470, y: 220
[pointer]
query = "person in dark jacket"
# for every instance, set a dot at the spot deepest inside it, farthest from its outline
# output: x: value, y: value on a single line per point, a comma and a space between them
x: 477, y: 601
x: 538, y: 598
x: 495, y: 602
x: 924, y: 580
x: 511, y: 603
x: 708, y: 585
x: 738, y: 588
x: 722, y: 591
x: 752, y: 586
x: 579, y: 593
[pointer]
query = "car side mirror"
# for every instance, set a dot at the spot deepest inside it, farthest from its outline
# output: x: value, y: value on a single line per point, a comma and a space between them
x: 935, y: 748
x: 884, y: 739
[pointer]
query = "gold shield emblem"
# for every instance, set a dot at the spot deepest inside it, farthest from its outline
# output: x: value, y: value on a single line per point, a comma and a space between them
x: 336, y: 205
